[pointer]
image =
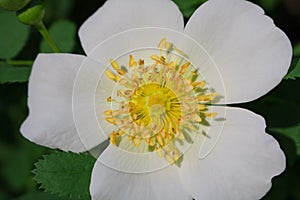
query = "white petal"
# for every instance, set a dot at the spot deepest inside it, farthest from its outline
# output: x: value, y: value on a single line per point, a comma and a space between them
x: 50, y: 122
x: 240, y: 166
x: 116, y: 16
x: 110, y: 184
x: 91, y: 88
x: 121, y: 159
x: 253, y: 55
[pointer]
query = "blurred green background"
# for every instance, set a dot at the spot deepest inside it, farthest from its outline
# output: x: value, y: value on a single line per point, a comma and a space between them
x: 281, y: 107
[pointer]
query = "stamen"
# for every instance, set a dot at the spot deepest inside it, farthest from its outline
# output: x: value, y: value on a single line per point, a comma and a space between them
x: 158, y: 101
x: 184, y: 68
x: 115, y: 65
x: 211, y: 115
x: 111, y: 120
x: 113, y: 138
x: 208, y: 97
x: 110, y: 75
x: 108, y: 112
x: 132, y: 62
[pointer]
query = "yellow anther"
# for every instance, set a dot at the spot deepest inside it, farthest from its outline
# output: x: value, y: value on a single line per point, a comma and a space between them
x: 171, y: 65
x: 132, y: 62
x: 108, y: 112
x: 159, y: 140
x: 141, y: 62
x: 197, y: 118
x: 118, y: 78
x: 211, y: 115
x: 163, y: 133
x: 111, y: 120
x: 109, y: 99
x: 113, y: 137
x: 174, y: 154
x: 170, y: 137
x: 130, y: 137
x: 134, y: 117
x: 184, y: 68
x: 155, y: 58
x: 137, y: 142
x: 121, y: 72
x: 162, y: 59
x: 120, y: 132
x: 202, y: 84
x: 110, y: 75
x: 114, y: 64
x: 198, y: 83
x: 201, y: 107
x: 150, y: 142
x: 163, y: 43
x: 207, y: 97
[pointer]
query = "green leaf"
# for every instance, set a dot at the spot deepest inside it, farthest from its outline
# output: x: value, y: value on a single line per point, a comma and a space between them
x: 291, y: 132
x: 65, y: 173
x: 296, y: 50
x: 13, y: 35
x: 269, y: 5
x: 17, y: 161
x: 38, y: 195
x: 63, y: 33
x: 3, y: 194
x: 15, y: 177
x: 188, y: 7
x: 10, y: 74
x: 42, y: 196
x: 295, y: 70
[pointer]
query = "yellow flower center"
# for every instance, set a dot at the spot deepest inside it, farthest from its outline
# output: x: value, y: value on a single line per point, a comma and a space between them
x: 158, y: 102
x: 155, y: 104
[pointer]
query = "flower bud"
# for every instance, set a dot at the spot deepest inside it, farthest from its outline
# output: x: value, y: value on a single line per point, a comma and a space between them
x: 32, y: 16
x: 13, y: 5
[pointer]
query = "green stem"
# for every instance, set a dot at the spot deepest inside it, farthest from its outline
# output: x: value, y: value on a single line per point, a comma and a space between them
x: 44, y: 32
x: 19, y: 62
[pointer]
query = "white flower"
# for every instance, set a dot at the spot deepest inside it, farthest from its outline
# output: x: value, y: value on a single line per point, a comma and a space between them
x: 230, y: 45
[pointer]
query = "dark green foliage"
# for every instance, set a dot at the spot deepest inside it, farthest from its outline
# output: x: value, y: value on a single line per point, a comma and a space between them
x: 65, y: 173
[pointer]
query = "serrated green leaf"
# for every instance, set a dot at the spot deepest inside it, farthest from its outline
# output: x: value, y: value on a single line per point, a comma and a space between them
x: 295, y: 72
x: 63, y: 33
x: 188, y: 7
x: 65, y: 173
x: 10, y: 74
x: 291, y: 132
x: 13, y: 35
